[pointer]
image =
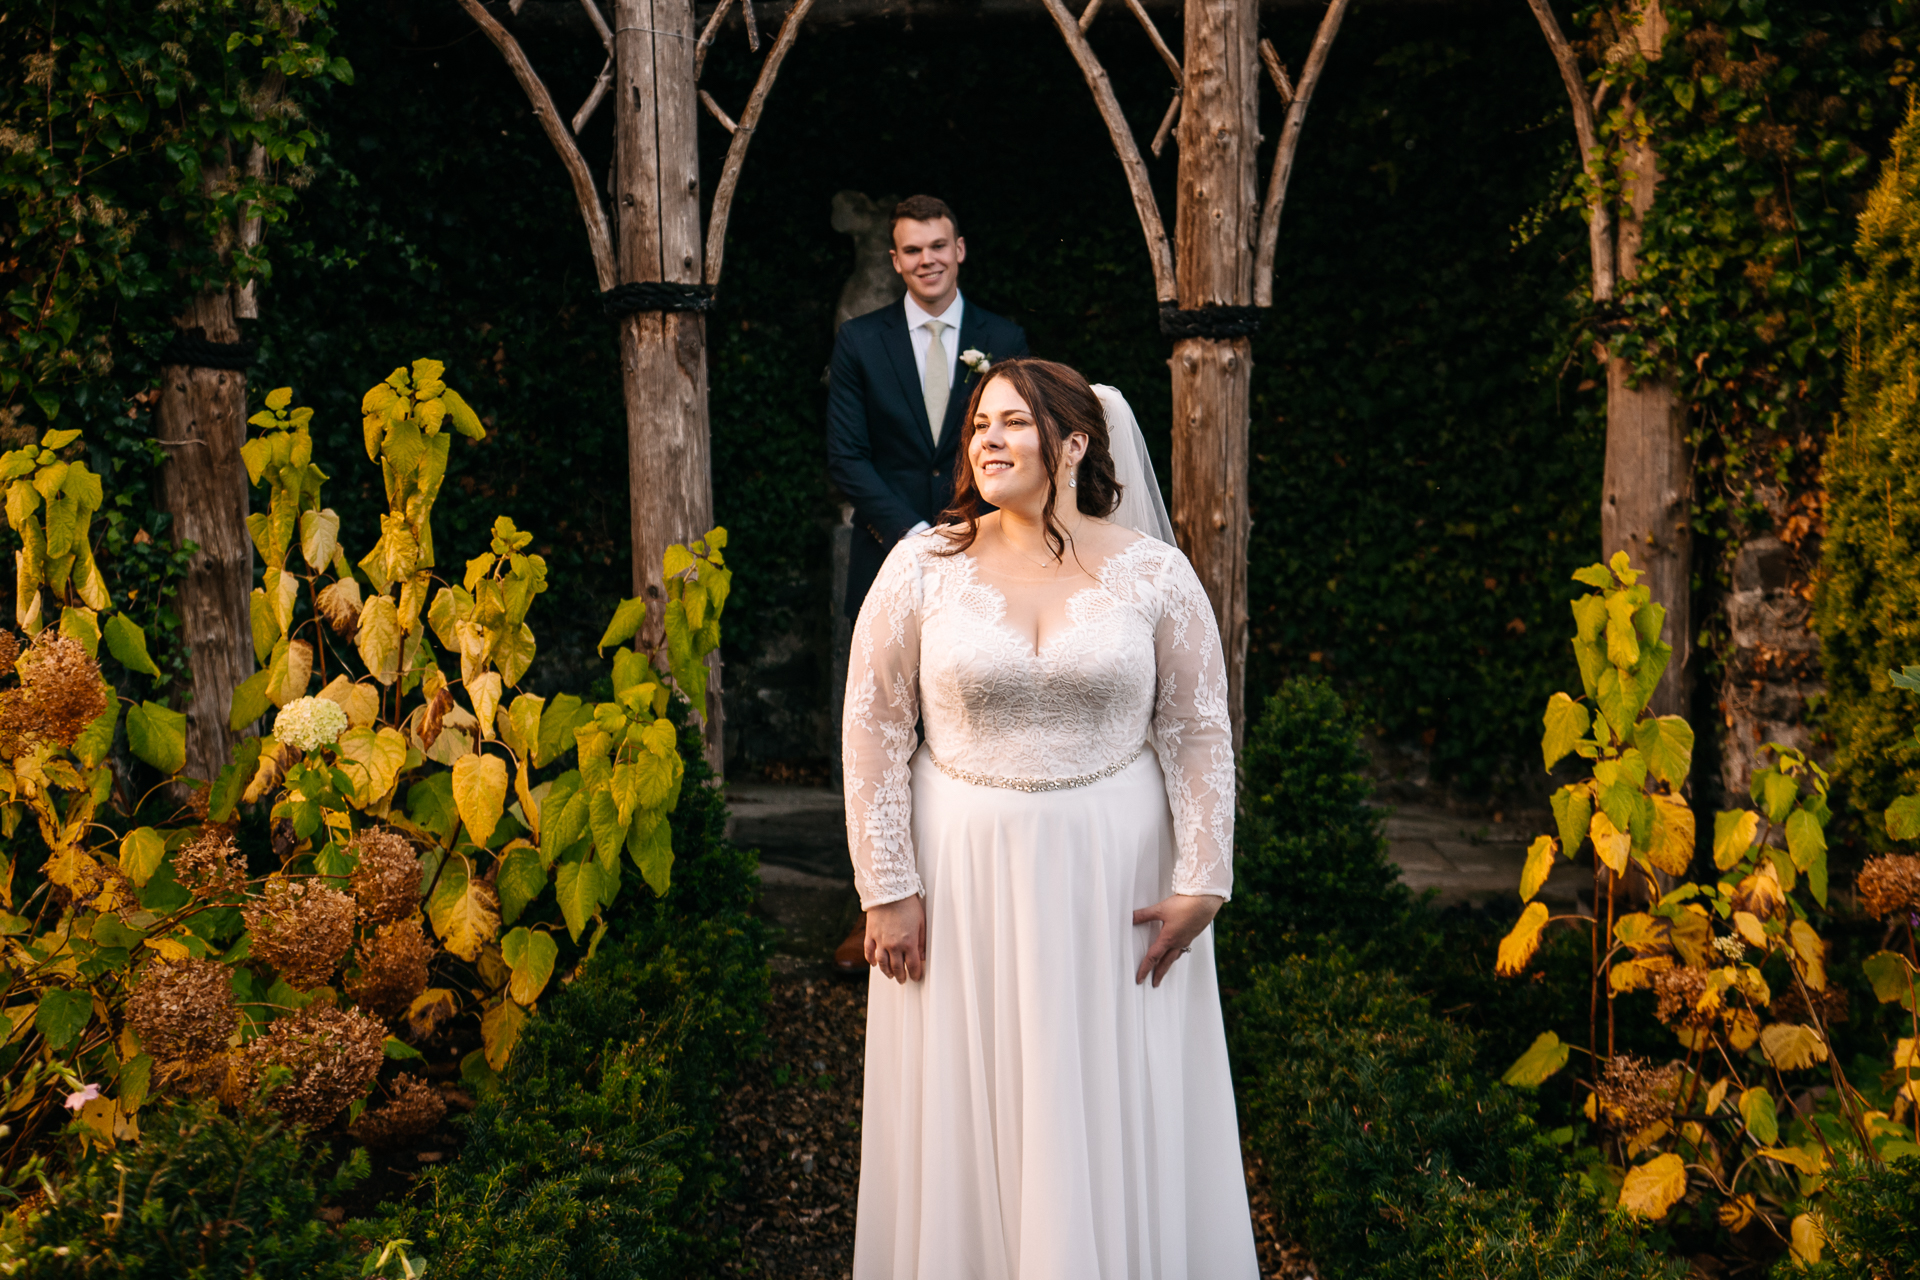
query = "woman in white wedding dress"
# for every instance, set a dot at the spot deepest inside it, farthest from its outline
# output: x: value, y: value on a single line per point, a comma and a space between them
x: 1047, y: 1089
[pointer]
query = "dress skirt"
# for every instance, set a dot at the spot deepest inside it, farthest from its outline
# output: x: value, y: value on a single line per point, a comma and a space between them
x: 1031, y: 1113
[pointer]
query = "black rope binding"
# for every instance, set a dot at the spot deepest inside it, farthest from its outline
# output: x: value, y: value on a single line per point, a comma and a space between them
x: 190, y: 347
x: 1209, y: 322
x: 655, y: 295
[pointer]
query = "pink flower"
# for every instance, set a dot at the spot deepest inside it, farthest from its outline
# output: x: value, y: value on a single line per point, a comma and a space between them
x: 87, y: 1094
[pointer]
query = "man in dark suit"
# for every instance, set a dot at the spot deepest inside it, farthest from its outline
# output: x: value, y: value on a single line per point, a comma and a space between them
x: 898, y: 388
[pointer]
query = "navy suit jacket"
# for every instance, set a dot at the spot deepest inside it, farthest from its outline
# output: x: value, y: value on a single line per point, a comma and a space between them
x: 880, y: 448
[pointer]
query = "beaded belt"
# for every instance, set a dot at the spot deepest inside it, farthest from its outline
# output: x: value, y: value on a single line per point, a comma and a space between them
x: 1033, y: 784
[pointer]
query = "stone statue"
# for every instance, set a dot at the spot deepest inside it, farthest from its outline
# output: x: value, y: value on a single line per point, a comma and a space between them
x: 874, y: 283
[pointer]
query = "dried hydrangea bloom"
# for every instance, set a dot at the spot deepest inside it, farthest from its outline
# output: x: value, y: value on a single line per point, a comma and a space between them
x: 1889, y: 885
x: 393, y: 968
x: 1677, y: 992
x: 306, y: 724
x: 334, y: 1054
x: 211, y: 865
x: 387, y: 881
x: 182, y: 1010
x: 60, y: 694
x: 1830, y: 1005
x: 417, y: 1108
x: 302, y: 928
x: 1633, y: 1093
x: 9, y: 651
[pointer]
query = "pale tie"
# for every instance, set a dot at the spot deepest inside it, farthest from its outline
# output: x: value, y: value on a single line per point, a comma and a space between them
x: 934, y: 384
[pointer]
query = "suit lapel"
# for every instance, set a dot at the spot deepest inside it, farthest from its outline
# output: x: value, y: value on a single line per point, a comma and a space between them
x: 972, y: 334
x: 900, y: 353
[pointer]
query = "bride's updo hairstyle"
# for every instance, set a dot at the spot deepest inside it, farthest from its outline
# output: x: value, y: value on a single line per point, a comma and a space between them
x: 1062, y: 403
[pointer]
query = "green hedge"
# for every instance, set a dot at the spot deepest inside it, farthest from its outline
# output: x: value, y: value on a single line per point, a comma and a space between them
x: 1872, y: 1223
x: 1390, y: 1155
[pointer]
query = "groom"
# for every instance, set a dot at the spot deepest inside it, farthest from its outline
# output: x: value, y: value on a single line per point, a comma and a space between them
x: 898, y: 389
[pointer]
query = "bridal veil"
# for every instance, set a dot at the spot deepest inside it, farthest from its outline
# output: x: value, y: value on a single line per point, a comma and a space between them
x: 1140, y: 509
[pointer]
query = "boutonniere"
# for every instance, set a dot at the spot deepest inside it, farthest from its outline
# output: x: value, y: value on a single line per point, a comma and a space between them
x: 976, y: 360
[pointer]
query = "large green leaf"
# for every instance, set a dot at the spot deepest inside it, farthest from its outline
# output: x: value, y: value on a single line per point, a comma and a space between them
x: 1667, y: 745
x: 529, y: 954
x: 128, y: 644
x: 1756, y: 1108
x: 577, y: 886
x: 1572, y: 811
x: 650, y: 845
x: 158, y: 735
x: 62, y: 1016
x: 521, y: 879
x: 1893, y: 978
x: 250, y: 700
x: 626, y: 621
x: 140, y: 853
x: 1805, y: 838
x: 430, y: 805
x: 1903, y: 818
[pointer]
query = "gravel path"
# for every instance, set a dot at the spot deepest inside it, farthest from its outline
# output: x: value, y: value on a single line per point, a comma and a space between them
x: 793, y: 1131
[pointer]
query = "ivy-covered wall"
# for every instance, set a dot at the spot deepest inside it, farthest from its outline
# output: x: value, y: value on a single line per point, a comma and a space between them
x: 1426, y: 462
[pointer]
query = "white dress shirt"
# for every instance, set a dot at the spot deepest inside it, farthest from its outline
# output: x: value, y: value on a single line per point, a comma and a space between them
x: 922, y: 337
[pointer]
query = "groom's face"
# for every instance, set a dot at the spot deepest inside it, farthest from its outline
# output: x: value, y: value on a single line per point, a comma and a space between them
x: 928, y: 256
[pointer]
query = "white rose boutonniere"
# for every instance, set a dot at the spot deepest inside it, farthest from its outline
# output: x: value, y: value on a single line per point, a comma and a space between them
x: 976, y: 360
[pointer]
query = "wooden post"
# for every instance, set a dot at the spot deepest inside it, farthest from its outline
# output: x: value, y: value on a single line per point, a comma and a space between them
x: 202, y: 424
x: 663, y: 354
x: 1214, y: 228
x: 1646, y: 493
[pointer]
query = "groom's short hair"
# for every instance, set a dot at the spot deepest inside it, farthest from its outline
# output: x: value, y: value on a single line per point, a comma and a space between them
x: 923, y: 209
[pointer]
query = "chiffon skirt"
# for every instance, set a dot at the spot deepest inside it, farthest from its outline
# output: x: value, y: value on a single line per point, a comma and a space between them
x: 1030, y: 1112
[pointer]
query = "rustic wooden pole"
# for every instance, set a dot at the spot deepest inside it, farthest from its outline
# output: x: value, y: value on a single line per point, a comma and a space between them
x: 201, y: 421
x: 1646, y: 494
x: 1213, y: 265
x: 663, y: 354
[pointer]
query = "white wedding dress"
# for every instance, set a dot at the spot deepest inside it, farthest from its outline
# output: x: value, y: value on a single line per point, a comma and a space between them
x: 1031, y: 1113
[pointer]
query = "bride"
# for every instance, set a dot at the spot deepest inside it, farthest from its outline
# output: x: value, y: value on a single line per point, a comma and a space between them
x: 1047, y: 1090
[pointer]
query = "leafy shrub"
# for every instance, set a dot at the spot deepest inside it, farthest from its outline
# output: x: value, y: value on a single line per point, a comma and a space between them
x: 1389, y: 1156
x: 1309, y: 859
x: 593, y: 1157
x: 1872, y: 1221
x: 203, y: 1194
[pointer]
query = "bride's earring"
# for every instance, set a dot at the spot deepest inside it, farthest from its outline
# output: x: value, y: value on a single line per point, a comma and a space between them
x: 1073, y: 481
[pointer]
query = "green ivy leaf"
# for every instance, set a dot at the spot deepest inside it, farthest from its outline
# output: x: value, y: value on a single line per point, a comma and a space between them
x: 62, y: 1016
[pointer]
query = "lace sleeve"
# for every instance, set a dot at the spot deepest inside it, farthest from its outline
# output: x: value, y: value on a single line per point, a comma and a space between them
x: 877, y: 738
x: 1192, y: 733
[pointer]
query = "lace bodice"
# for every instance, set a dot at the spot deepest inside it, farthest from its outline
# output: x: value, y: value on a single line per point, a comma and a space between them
x: 1139, y: 662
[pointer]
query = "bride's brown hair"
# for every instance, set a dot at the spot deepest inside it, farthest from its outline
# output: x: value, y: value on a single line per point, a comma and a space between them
x: 1062, y: 403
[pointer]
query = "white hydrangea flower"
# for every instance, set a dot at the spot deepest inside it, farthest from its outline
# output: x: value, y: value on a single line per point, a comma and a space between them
x: 1732, y: 948
x: 307, y: 723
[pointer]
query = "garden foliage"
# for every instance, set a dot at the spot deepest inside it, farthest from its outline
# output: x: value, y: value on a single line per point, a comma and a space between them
x: 204, y: 1193
x: 1869, y: 593
x: 1390, y: 1155
x: 1309, y: 860
x: 1734, y: 1131
x: 432, y: 855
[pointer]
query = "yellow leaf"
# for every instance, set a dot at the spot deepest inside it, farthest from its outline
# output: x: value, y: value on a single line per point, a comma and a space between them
x: 431, y: 1010
x: 1636, y: 975
x: 529, y: 803
x: 1546, y: 1056
x: 1647, y: 1137
x: 1750, y: 930
x: 1645, y: 934
x: 499, y: 1029
x: 1812, y: 953
x: 480, y: 794
x: 169, y: 950
x: 1715, y: 1096
x: 1519, y: 945
x: 339, y: 604
x: 1671, y: 847
x: 521, y: 730
x: 1743, y: 1028
x: 1610, y: 842
x: 360, y: 702
x: 1906, y: 1054
x: 1654, y: 1187
x: 1790, y: 1046
x: 1566, y: 723
x: 1808, y: 1238
x: 484, y: 689
x: 1801, y: 1158
x: 379, y: 639
x: 464, y: 911
x: 1539, y: 866
x: 291, y: 674
x: 319, y: 536
x: 1733, y: 834
x: 373, y: 760
x: 140, y: 854
x: 1736, y: 1213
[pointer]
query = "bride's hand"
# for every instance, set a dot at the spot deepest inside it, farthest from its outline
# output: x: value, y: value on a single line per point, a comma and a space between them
x: 1183, y: 917
x: 897, y: 939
